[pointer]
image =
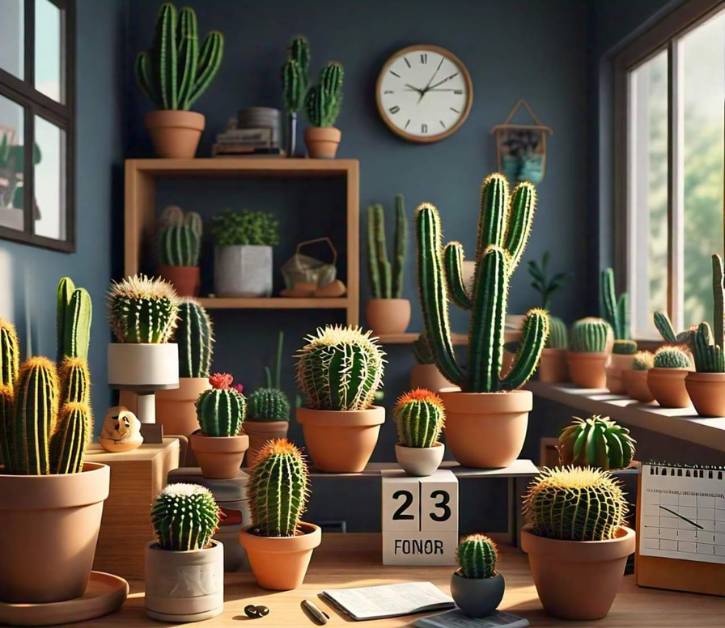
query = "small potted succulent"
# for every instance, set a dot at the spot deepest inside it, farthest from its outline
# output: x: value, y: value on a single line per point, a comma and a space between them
x: 243, y: 253
x: 184, y: 571
x: 595, y: 442
x: 635, y: 379
x: 219, y: 444
x: 278, y: 544
x: 425, y: 373
x: 666, y: 379
x: 387, y: 312
x: 615, y: 310
x: 621, y: 360
x: 179, y: 247
x: 588, y: 354
x: 194, y: 335
x: 552, y: 366
x: 174, y: 73
x: 339, y: 370
x: 577, y: 541
x: 322, y: 105
x: 419, y: 418
x: 476, y: 587
x: 295, y: 79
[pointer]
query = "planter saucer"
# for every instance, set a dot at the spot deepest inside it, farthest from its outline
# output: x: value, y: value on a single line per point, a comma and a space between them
x: 105, y: 594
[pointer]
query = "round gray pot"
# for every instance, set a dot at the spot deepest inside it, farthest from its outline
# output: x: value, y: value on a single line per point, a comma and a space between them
x: 243, y: 271
x: 477, y: 597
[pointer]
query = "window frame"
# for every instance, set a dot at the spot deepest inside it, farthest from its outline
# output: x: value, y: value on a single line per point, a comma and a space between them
x: 36, y: 104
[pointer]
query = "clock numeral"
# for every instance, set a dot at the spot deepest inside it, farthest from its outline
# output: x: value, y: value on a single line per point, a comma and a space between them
x: 423, y: 128
x: 454, y: 109
x: 443, y: 124
x: 424, y: 57
x: 389, y: 91
x: 407, y: 124
x: 458, y: 91
x: 394, y: 109
x: 395, y: 74
x: 406, y: 61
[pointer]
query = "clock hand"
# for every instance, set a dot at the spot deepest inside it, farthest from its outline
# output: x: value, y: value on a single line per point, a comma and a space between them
x: 448, y: 78
x: 427, y: 87
x: 413, y: 88
x: 681, y: 517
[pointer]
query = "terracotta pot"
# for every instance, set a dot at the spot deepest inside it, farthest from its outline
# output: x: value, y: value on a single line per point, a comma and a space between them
x: 587, y: 370
x: 174, y: 134
x: 707, y: 392
x: 220, y: 457
x: 429, y: 377
x: 280, y: 563
x: 552, y: 366
x: 668, y: 387
x: 420, y: 461
x: 486, y: 430
x: 577, y: 579
x: 618, y: 364
x: 388, y: 316
x: 184, y: 586
x: 341, y: 441
x: 48, y: 533
x: 635, y: 383
x: 143, y: 366
x: 477, y: 597
x: 322, y: 142
x: 259, y: 433
x: 176, y: 407
x: 185, y: 279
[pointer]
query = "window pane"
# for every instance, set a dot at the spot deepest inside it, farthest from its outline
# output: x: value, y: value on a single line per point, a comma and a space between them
x: 49, y: 158
x: 12, y: 31
x: 703, y: 77
x: 11, y: 164
x: 48, y: 53
x: 647, y: 192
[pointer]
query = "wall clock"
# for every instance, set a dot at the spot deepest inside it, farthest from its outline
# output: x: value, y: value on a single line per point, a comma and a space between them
x: 424, y: 93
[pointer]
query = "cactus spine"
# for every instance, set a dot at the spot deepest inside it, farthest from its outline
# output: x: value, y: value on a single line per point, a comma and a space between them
x: 477, y: 556
x: 589, y: 335
x: 75, y: 381
x: 74, y: 313
x: 278, y: 489
x: 614, y: 311
x: 503, y: 228
x: 324, y: 100
x: 419, y: 417
x: 386, y: 279
x: 708, y: 344
x: 9, y: 354
x: 221, y: 410
x: 184, y: 516
x: 672, y: 358
x: 558, y: 337
x: 195, y: 337
x: 180, y: 240
x: 597, y: 442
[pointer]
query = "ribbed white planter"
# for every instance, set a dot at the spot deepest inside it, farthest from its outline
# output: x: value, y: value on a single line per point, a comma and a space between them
x: 143, y: 366
x: 243, y: 271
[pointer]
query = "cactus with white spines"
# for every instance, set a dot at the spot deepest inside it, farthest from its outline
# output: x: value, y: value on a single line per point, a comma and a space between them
x: 68, y: 443
x: 221, y: 410
x: 75, y: 381
x: 708, y: 343
x: 73, y: 320
x: 195, y: 337
x: 323, y: 101
x: 386, y: 279
x: 477, y: 555
x: 184, y: 517
x: 589, y: 335
x: 643, y: 361
x: 672, y: 358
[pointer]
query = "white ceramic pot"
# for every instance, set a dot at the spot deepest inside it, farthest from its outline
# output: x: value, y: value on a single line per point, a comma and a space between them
x: 420, y: 461
x: 143, y: 366
x: 243, y: 271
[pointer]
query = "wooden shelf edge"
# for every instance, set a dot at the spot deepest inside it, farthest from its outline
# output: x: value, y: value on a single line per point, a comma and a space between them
x: 272, y: 303
x: 230, y: 165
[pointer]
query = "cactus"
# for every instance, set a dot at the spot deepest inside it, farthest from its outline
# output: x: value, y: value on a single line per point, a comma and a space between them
x: 708, y: 344
x: 667, y: 331
x: 477, y: 556
x: 9, y: 354
x: 672, y: 358
x: 180, y: 240
x: 269, y: 404
x: 324, y: 100
x: 7, y: 409
x: 74, y: 314
x: 614, y: 311
x: 296, y: 74
x: 184, y: 517
x: 75, y: 382
x: 142, y: 310
x: 340, y: 368
x: 624, y: 347
x: 558, y: 337
x: 278, y: 489
x: 68, y: 443
x: 575, y: 504
x: 386, y: 280
x: 175, y: 72
x: 503, y: 228
x: 596, y: 442
x: 221, y: 410
x: 589, y: 335
x: 643, y: 361
x: 422, y: 351
x: 419, y: 417
x: 195, y: 336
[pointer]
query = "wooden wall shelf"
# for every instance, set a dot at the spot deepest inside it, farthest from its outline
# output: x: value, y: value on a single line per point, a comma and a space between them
x: 410, y: 337
x: 273, y: 303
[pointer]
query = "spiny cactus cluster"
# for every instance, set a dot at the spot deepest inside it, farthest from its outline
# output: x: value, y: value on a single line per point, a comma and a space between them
x: 624, y: 347
x: 278, y: 489
x: 672, y: 358
x: 575, y: 504
x: 195, y: 337
x: 386, y: 279
x: 419, y: 417
x: 477, y: 556
x: 643, y: 361
x: 589, y: 335
x: 184, y: 517
x: 614, y: 310
x: 245, y: 227
x: 73, y: 320
x: 271, y: 403
x: 708, y: 344
x: 324, y: 100
x: 221, y: 410
x: 180, y: 237
x: 175, y: 71
x: 340, y: 368
x: 296, y: 74
x: 504, y: 225
x: 597, y: 442
x: 142, y: 310
x: 558, y: 336
x: 667, y: 331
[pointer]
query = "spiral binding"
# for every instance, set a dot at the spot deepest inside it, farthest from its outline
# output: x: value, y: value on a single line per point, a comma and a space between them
x: 705, y: 471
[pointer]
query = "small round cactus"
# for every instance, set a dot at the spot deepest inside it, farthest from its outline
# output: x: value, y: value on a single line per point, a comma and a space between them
x: 624, y: 347
x: 221, y: 410
x: 419, y: 417
x: 590, y: 335
x: 672, y: 358
x: 597, y: 442
x: 477, y: 556
x: 269, y: 404
x: 643, y: 361
x: 184, y: 517
x: 558, y: 337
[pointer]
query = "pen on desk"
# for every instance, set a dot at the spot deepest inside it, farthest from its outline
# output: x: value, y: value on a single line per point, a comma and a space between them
x: 321, y: 617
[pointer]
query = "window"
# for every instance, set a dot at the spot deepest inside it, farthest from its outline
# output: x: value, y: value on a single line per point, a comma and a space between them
x: 36, y: 122
x: 670, y: 154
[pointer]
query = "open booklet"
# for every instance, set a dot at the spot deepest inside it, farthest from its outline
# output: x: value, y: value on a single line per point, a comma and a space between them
x: 388, y: 600
x: 456, y: 619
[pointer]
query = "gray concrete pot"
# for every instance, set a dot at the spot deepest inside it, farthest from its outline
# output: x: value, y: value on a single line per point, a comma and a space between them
x: 477, y: 597
x: 243, y: 271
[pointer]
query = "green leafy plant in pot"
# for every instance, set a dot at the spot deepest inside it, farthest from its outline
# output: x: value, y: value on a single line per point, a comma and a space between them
x: 666, y: 378
x: 590, y: 339
x: 419, y: 418
x: 615, y: 310
x: 295, y: 81
x: 174, y: 73
x: 476, y: 587
x: 486, y: 421
x: 425, y: 373
x: 179, y: 245
x: 323, y: 102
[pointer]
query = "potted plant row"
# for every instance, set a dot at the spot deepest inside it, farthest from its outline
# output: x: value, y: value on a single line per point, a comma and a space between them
x: 179, y: 245
x: 419, y: 418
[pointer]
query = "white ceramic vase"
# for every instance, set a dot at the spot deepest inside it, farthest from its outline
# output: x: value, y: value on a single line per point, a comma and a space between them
x: 420, y: 461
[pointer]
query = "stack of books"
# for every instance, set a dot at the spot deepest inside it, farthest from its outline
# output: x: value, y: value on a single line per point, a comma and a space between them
x: 254, y: 134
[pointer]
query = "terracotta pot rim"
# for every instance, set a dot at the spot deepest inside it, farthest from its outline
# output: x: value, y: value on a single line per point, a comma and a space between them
x: 550, y: 350
x: 154, y: 547
x: 636, y: 372
x: 396, y: 300
x: 322, y: 130
x: 311, y: 539
x: 438, y: 445
x: 259, y: 425
x: 661, y: 370
x: 587, y: 355
x: 219, y: 444
x: 580, y: 551
x: 456, y: 400
x: 372, y: 416
x: 696, y: 376
x: 161, y: 118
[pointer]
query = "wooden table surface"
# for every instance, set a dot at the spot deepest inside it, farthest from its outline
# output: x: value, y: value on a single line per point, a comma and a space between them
x: 345, y: 560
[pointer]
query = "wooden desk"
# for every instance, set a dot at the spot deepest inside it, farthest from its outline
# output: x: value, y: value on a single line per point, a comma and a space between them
x: 345, y: 560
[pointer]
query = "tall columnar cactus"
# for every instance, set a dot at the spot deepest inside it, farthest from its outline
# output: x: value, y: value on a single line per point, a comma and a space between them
x: 589, y: 335
x: 7, y: 418
x: 184, y: 517
x: 195, y: 337
x: 575, y: 504
x: 142, y: 310
x: 386, y: 279
x: 180, y: 240
x: 9, y: 354
x: 419, y: 417
x: 68, y: 443
x: 503, y: 227
x: 73, y: 320
x: 615, y: 311
x: 296, y: 74
x: 708, y: 343
x: 278, y: 489
x: 672, y: 358
x: 340, y: 368
x: 558, y: 337
x: 221, y: 410
x: 324, y: 100
x: 75, y: 382
x: 175, y: 71
x: 597, y: 442
x: 477, y: 556
x: 667, y: 331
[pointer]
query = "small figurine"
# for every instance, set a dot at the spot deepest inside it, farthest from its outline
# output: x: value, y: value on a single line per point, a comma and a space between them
x: 121, y: 430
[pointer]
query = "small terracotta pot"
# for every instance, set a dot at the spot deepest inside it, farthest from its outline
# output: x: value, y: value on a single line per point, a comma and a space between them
x: 552, y: 366
x: 174, y: 134
x: 420, y: 461
x: 587, y: 370
x: 618, y: 364
x: 707, y: 392
x: 185, y: 279
x: 429, y: 377
x: 322, y: 142
x: 477, y: 597
x: 635, y: 383
x: 388, y: 316
x: 486, y: 430
x: 49, y: 528
x: 280, y: 563
x: 259, y: 433
x: 668, y: 387
x: 577, y: 579
x: 341, y: 441
x: 176, y: 407
x: 220, y: 457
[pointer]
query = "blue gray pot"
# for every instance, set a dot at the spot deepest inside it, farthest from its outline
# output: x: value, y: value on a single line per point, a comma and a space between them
x: 477, y: 597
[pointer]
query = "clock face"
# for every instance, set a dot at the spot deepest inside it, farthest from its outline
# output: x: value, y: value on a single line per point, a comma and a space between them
x: 424, y: 93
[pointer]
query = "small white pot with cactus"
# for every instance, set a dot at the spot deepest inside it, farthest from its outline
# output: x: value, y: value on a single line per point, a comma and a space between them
x: 419, y: 417
x: 476, y: 587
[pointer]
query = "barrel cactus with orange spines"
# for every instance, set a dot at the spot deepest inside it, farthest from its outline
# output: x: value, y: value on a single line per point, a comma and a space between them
x: 419, y: 417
